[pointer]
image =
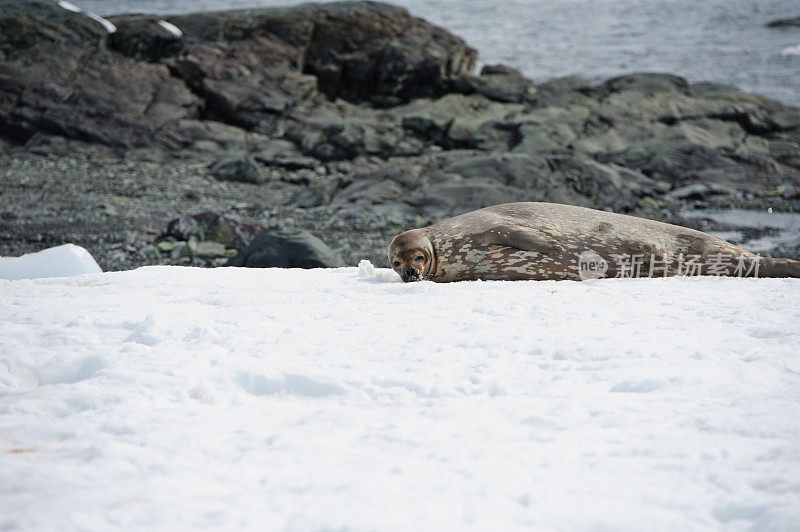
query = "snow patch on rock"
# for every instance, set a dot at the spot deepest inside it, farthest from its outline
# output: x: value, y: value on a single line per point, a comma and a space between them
x: 172, y: 28
x: 69, y: 7
x: 107, y: 24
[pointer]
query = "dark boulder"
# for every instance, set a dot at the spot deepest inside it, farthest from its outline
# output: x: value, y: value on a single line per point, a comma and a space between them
x: 287, y: 248
x: 46, y: 29
x: 367, y: 51
x: 58, y: 78
x: 211, y: 226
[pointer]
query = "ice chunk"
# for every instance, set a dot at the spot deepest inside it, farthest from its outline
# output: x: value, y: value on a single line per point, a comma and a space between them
x: 367, y: 271
x: 60, y: 261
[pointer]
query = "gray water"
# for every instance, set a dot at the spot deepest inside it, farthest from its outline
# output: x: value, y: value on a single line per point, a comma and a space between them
x: 725, y: 41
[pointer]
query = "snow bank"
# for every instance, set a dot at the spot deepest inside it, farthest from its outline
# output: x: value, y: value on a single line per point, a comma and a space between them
x: 173, y: 398
x: 59, y: 261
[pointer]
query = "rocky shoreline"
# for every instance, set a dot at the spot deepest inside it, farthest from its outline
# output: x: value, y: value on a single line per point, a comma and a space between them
x: 353, y: 121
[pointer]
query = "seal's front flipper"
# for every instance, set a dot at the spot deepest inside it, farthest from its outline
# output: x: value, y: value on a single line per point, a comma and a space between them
x: 518, y: 237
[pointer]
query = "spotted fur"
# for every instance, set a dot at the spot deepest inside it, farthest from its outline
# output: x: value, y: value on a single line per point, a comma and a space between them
x: 542, y: 241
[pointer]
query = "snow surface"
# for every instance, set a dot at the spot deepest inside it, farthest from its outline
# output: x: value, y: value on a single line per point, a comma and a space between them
x: 171, y: 398
x: 60, y: 261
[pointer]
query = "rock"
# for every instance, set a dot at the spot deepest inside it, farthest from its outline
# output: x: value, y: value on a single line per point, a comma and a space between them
x: 365, y: 51
x: 210, y: 226
x: 499, y: 83
x: 165, y: 246
x: 350, y: 138
x: 244, y: 170
x: 434, y: 120
x: 145, y: 37
x: 283, y: 154
x: 564, y: 92
x: 58, y: 78
x: 149, y: 252
x: 669, y: 161
x: 605, y: 186
x: 286, y: 248
x: 299, y: 177
x: 452, y: 198
x: 550, y: 129
x: 46, y: 144
x: 496, y: 178
x: 179, y: 250
x: 785, y: 119
x: 645, y: 83
x: 306, y: 198
x: 456, y: 182
x: 248, y: 69
x: 650, y: 203
x: 791, y: 194
x: 252, y: 66
x: 370, y: 191
x: 784, y: 22
x: 718, y: 134
x: 209, y: 250
x: 247, y: 83
x: 703, y: 192
x: 220, y: 135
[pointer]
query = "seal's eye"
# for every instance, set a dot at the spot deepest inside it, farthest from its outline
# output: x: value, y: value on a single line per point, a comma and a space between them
x: 419, y: 258
x: 396, y: 263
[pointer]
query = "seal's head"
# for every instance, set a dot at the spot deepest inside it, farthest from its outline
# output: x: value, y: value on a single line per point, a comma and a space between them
x: 411, y: 255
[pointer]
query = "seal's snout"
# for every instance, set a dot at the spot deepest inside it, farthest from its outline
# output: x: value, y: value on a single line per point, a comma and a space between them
x: 410, y: 255
x: 409, y: 274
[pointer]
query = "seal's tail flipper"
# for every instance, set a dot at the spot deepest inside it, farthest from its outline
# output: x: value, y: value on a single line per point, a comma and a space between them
x: 769, y: 267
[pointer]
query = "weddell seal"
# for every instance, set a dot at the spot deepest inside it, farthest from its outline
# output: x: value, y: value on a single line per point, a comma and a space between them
x: 548, y: 241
